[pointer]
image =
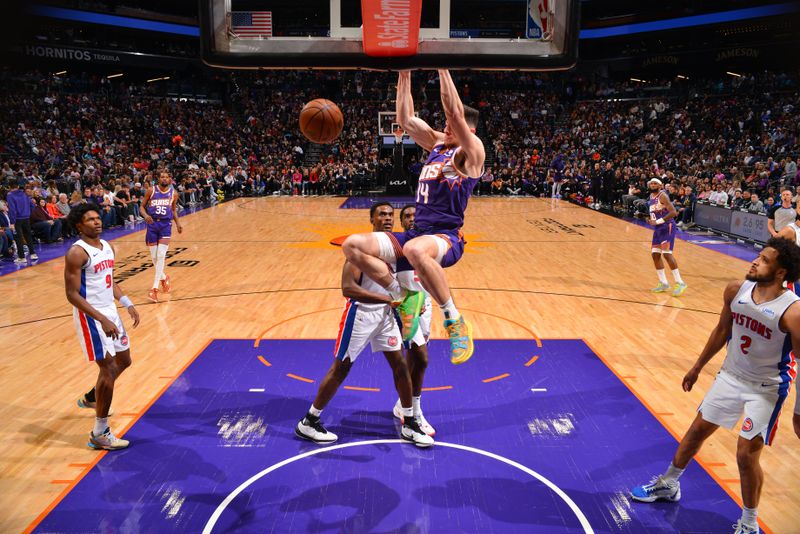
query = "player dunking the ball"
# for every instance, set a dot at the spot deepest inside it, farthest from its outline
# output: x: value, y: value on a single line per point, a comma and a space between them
x: 454, y: 166
x: 368, y: 318
x: 760, y: 323
x: 90, y: 288
x: 160, y: 206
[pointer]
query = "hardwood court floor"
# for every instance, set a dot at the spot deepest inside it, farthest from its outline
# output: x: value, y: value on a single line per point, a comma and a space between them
x: 559, y: 270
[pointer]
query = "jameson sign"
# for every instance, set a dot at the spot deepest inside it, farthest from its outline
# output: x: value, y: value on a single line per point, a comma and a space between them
x: 92, y: 55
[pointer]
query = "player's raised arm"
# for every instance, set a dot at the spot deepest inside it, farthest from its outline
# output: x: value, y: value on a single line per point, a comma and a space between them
x: 718, y: 338
x: 418, y: 129
x: 462, y: 130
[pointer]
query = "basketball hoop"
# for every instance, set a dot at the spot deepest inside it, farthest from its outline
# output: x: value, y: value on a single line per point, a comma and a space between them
x: 398, y: 135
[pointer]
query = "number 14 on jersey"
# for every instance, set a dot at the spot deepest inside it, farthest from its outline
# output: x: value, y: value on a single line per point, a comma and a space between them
x: 422, y: 192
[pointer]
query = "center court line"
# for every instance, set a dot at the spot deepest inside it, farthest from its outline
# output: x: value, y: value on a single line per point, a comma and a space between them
x: 538, y: 389
x: 257, y: 390
x: 212, y: 521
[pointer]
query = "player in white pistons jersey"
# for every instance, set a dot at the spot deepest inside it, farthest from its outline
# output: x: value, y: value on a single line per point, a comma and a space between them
x: 368, y: 318
x: 90, y: 288
x: 417, y: 347
x: 760, y: 323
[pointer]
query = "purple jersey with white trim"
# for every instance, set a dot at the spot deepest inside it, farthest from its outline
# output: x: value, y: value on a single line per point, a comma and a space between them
x: 442, y: 193
x: 657, y: 209
x: 160, y: 205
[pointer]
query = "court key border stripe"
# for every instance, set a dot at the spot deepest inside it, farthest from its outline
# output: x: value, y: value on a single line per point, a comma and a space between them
x: 100, y: 455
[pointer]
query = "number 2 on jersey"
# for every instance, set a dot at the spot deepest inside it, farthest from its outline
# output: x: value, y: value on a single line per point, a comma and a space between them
x: 746, y: 342
x: 422, y: 191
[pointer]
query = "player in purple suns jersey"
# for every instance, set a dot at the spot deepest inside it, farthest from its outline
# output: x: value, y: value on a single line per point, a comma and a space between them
x: 160, y: 208
x: 662, y: 218
x: 453, y: 168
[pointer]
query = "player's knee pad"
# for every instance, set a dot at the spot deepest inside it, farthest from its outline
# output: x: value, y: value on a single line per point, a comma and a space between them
x: 386, y: 249
x: 442, y: 246
x: 666, y: 252
x: 656, y: 250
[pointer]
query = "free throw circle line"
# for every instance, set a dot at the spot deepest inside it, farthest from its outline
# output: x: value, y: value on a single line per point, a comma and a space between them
x: 212, y: 521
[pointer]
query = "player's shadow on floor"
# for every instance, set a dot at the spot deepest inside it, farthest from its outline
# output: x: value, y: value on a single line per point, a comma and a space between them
x: 512, y: 502
x: 369, y: 424
x: 350, y: 494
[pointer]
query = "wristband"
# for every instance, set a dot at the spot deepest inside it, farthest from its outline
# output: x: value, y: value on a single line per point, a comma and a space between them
x: 659, y: 221
x: 125, y: 301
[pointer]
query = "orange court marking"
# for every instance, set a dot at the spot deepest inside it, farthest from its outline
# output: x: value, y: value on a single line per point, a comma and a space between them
x: 531, y: 361
x: 437, y: 388
x: 264, y: 333
x: 101, y: 454
x: 531, y: 332
x: 498, y: 377
x: 265, y: 362
x: 356, y: 388
x: 300, y: 378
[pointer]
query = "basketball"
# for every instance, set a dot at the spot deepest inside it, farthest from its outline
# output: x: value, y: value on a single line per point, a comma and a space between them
x: 321, y: 121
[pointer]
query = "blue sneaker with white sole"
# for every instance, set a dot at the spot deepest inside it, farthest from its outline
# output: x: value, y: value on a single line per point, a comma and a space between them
x: 658, y: 489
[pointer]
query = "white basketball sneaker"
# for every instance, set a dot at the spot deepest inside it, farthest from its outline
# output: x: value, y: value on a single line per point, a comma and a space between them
x: 742, y: 528
x: 426, y: 427
x: 413, y: 433
x: 310, y: 428
x: 107, y: 441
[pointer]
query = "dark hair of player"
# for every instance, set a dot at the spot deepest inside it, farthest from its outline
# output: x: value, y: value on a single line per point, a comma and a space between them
x: 471, y: 116
x: 377, y: 205
x: 75, y: 216
x: 788, y: 257
x: 407, y: 206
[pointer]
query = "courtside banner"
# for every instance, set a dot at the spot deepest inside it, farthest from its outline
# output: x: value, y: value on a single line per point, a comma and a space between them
x: 391, y: 27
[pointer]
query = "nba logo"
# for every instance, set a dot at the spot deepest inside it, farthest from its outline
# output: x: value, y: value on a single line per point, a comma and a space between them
x: 393, y: 341
x: 747, y: 425
x: 537, y: 19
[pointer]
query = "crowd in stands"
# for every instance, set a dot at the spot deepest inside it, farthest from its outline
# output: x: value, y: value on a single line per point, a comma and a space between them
x: 72, y: 139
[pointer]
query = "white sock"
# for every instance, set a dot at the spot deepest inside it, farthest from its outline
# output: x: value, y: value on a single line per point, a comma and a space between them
x: 416, y: 405
x: 100, y: 425
x: 676, y: 274
x: 313, y: 411
x: 749, y: 516
x: 154, y: 256
x: 449, y: 310
x: 162, y: 252
x: 407, y: 412
x: 662, y: 276
x: 394, y: 290
x: 673, y: 473
x: 161, y: 256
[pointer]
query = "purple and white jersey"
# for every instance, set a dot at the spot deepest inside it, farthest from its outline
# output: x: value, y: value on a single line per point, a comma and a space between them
x: 443, y: 192
x: 160, y: 205
x: 657, y: 209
